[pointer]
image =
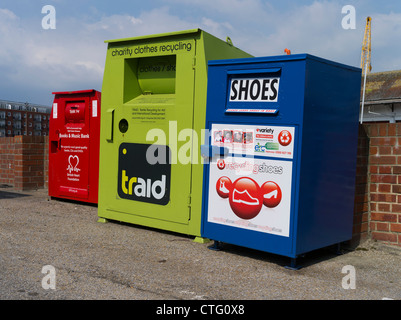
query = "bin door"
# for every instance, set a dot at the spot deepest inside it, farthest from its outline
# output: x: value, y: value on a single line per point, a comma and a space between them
x: 154, y: 167
x: 249, y: 182
x: 73, y: 158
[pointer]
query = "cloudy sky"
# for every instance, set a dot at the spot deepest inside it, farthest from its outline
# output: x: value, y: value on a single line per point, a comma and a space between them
x: 36, y: 61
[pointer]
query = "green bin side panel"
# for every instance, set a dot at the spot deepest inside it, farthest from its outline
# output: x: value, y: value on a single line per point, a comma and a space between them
x: 213, y: 49
x: 133, y: 83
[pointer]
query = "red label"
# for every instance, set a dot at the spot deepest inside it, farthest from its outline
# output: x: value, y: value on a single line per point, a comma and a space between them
x: 284, y: 138
x: 245, y: 198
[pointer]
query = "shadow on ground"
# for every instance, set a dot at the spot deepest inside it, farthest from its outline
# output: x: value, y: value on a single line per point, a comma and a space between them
x: 11, y: 195
x: 304, y: 261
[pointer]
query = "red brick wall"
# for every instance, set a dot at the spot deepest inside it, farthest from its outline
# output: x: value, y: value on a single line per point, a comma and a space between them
x: 385, y: 181
x: 7, y: 148
x: 46, y: 162
x: 22, y: 162
x: 361, y: 204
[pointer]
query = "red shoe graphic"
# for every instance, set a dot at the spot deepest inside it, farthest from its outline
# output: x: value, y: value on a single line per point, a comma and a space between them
x: 244, y: 197
x: 223, y: 187
x: 271, y: 194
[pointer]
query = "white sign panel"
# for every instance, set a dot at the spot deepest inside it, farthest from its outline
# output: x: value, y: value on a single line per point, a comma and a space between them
x: 254, y: 90
x: 250, y: 193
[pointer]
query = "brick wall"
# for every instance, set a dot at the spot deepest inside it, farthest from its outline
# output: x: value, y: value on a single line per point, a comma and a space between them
x: 361, y: 204
x: 46, y: 162
x: 22, y: 162
x: 7, y: 148
x: 385, y: 181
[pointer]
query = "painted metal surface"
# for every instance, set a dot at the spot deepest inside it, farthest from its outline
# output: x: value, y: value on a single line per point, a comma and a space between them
x: 154, y: 107
x: 74, y: 130
x: 286, y: 184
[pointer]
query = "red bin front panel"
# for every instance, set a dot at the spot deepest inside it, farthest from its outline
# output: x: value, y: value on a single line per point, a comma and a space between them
x: 74, y: 146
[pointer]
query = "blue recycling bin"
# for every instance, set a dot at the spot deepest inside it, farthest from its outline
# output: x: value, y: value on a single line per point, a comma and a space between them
x: 280, y: 153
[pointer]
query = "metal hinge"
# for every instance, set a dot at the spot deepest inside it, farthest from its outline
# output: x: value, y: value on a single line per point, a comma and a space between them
x: 189, y: 207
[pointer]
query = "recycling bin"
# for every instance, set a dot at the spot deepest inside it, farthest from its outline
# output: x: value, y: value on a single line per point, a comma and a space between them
x: 282, y: 143
x: 153, y: 111
x: 74, y: 130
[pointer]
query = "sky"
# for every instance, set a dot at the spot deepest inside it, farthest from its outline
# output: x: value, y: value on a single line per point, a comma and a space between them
x: 34, y: 61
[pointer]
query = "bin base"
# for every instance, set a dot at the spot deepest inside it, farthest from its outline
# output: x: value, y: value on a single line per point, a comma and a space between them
x: 201, y: 240
x: 338, y: 250
x: 102, y: 220
x: 216, y: 246
x: 293, y: 265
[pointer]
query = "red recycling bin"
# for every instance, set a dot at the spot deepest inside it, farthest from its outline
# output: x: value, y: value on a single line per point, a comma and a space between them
x: 74, y: 130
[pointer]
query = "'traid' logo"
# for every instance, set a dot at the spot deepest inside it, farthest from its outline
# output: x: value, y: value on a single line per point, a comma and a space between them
x: 143, y: 188
x: 139, y: 180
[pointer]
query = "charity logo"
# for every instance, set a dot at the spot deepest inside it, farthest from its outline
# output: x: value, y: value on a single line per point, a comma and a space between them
x: 139, y: 180
x: 221, y: 164
x: 246, y: 197
x: 73, y: 162
x: 142, y: 188
x: 284, y: 138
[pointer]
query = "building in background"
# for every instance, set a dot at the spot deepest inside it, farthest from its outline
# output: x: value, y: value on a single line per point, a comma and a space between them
x: 382, y: 97
x: 23, y: 118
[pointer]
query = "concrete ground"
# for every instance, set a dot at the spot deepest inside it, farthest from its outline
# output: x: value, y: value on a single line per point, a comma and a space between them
x: 91, y: 260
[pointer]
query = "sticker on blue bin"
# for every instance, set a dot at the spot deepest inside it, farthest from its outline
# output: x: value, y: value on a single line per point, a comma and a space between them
x: 260, y: 111
x: 254, y: 90
x: 250, y: 193
x: 259, y: 140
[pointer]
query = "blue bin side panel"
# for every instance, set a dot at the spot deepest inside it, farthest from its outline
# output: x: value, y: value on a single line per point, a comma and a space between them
x: 329, y: 150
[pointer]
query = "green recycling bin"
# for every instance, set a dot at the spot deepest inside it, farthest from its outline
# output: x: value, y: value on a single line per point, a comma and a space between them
x: 152, y: 121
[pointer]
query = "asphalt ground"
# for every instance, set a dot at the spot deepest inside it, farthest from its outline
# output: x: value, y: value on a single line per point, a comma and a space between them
x: 115, y: 261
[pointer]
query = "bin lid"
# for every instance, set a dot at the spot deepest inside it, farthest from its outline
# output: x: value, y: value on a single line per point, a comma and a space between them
x: 280, y: 58
x: 75, y: 92
x: 160, y: 35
